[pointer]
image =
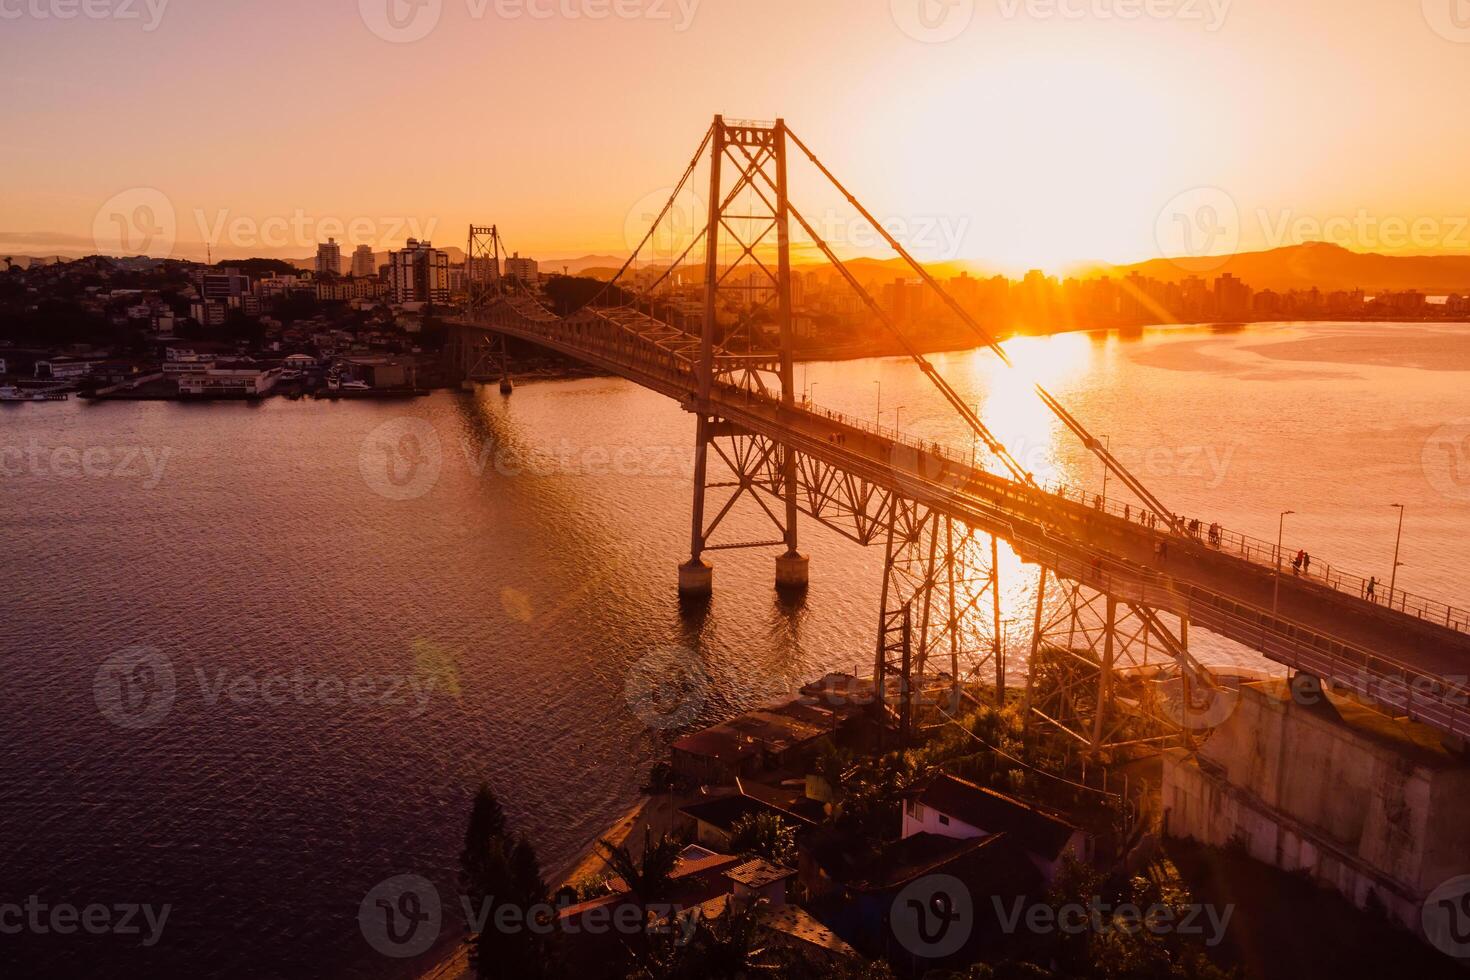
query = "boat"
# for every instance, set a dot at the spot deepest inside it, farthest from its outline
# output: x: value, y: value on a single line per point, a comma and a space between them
x: 10, y: 393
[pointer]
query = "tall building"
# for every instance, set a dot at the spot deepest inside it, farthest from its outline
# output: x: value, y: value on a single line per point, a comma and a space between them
x: 364, y: 262
x: 419, y: 273
x: 225, y: 285
x: 526, y: 270
x: 1232, y: 297
x: 329, y: 258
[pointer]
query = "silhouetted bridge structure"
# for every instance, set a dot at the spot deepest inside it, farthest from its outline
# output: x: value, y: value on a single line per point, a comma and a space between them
x: 1117, y: 589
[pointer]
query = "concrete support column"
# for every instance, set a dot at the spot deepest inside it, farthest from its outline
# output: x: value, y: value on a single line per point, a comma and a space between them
x: 696, y: 579
x: 793, y: 572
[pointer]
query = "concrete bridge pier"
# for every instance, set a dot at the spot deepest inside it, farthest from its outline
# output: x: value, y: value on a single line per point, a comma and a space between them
x: 696, y: 579
x: 793, y: 572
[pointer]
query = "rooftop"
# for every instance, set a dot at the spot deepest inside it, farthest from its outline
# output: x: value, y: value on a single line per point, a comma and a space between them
x: 995, y: 813
x: 758, y: 874
x: 996, y: 861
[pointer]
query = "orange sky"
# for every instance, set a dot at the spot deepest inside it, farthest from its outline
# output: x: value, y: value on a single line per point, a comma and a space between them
x: 1042, y: 132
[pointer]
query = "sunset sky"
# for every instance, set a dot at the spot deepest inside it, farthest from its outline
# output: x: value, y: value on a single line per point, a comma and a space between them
x: 1040, y: 134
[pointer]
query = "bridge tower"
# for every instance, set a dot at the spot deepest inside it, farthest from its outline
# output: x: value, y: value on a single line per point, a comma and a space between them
x: 940, y: 616
x: 478, y: 356
x: 748, y: 315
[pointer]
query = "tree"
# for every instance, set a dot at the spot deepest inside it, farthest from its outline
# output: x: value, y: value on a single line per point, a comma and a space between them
x: 649, y: 876
x: 498, y: 869
x: 764, y: 835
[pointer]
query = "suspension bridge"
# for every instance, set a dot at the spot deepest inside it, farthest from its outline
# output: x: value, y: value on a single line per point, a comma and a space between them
x: 1119, y: 585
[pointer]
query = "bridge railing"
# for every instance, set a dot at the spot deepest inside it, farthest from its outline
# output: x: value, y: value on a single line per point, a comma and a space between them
x: 1267, y: 555
x: 1380, y: 681
x: 1264, y: 554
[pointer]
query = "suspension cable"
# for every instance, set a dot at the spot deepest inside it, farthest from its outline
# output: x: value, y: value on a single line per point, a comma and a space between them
x: 1091, y: 442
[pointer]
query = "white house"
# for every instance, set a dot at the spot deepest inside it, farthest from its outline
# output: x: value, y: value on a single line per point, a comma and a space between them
x: 953, y: 808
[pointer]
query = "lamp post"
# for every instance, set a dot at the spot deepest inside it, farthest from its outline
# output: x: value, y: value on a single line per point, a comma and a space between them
x: 813, y: 396
x: 1108, y: 448
x: 975, y: 442
x: 1280, y: 533
x: 896, y: 412
x: 878, y: 415
x: 1394, y: 578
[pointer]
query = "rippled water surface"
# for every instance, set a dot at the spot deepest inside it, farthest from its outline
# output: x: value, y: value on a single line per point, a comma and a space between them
x: 354, y: 647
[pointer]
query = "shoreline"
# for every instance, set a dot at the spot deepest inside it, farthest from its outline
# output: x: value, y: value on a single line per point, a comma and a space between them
x: 843, y: 353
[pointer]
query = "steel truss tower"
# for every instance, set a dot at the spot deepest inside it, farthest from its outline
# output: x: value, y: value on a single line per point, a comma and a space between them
x: 481, y: 357
x: 747, y: 315
x: 1109, y: 673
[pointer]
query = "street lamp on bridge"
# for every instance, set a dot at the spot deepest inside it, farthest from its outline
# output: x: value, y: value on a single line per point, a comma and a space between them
x: 1394, y: 578
x: 897, y: 410
x: 878, y: 415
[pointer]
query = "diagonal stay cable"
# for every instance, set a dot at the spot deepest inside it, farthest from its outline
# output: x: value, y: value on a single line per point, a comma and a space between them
x: 1090, y: 441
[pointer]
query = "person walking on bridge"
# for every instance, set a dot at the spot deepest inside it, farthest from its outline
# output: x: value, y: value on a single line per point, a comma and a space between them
x: 1373, y: 589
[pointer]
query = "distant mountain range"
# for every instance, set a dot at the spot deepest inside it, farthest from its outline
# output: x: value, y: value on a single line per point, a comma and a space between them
x: 1326, y: 266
